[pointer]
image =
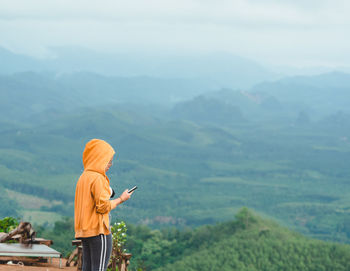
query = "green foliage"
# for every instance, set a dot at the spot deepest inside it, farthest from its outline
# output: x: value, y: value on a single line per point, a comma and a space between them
x: 245, y: 218
x: 119, y: 230
x: 7, y: 224
x: 9, y: 207
x: 250, y: 253
x: 119, y: 237
x: 62, y: 235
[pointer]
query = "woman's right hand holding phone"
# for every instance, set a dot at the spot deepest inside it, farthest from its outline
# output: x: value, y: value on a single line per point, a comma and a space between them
x: 125, y: 195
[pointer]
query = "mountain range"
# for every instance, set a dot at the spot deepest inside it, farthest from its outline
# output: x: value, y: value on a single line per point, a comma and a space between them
x: 215, y: 69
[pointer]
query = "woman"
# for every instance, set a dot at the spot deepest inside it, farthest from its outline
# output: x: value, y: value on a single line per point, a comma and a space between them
x: 93, y: 204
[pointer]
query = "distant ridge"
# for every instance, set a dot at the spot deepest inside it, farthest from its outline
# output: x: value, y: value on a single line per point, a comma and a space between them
x: 336, y: 79
x: 216, y: 69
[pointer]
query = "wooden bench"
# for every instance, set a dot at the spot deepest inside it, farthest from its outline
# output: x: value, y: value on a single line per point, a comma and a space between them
x: 78, y: 252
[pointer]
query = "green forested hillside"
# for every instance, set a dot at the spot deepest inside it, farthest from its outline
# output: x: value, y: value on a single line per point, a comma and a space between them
x: 250, y: 243
x: 188, y: 173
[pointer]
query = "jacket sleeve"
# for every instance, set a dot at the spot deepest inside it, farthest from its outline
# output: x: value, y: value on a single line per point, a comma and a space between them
x: 101, y: 194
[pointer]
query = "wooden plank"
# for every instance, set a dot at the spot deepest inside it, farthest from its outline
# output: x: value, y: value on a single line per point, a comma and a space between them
x: 80, y: 258
x: 22, y: 259
x: 76, y: 242
x: 71, y: 257
x: 41, y: 241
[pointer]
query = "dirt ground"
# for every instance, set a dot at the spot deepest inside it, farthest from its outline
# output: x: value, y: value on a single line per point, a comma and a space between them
x: 40, y: 267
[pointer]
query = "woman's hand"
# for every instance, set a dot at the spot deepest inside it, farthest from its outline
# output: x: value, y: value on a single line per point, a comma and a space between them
x: 125, y: 196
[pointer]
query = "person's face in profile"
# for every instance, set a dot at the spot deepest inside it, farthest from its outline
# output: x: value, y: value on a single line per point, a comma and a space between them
x: 110, y: 163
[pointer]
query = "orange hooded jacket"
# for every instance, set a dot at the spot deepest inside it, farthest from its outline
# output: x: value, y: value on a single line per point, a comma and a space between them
x: 92, y: 192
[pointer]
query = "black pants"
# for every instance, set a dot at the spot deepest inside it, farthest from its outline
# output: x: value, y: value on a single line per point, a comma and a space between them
x: 96, y: 252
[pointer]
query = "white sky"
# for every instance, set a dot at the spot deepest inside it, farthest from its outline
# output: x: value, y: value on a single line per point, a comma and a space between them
x: 278, y: 32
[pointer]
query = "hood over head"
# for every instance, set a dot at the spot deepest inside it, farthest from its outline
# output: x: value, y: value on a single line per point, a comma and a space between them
x: 96, y: 155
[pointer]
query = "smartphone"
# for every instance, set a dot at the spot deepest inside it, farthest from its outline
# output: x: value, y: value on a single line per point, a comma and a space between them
x: 132, y: 189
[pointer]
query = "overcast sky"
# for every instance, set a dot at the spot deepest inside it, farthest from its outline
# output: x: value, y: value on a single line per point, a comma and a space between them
x: 278, y: 32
